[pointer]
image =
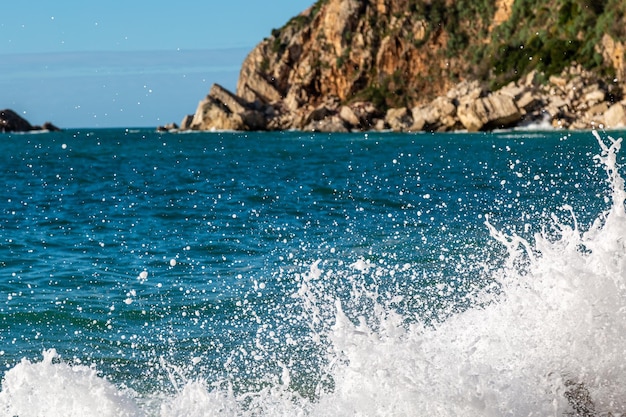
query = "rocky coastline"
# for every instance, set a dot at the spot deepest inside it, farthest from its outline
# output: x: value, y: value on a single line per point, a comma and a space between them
x: 406, y: 66
x: 576, y: 99
x: 10, y: 122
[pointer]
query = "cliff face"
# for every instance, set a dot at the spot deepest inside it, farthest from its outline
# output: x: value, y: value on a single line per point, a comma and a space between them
x: 389, y: 52
x: 356, y: 59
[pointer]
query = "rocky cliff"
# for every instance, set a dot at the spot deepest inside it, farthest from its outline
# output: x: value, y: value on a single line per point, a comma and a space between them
x: 430, y: 65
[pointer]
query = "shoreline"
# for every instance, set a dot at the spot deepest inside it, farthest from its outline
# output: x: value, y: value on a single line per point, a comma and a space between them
x: 574, y: 100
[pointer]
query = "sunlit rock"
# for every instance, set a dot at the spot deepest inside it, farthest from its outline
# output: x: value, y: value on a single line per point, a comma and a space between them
x: 494, y: 111
x: 222, y: 110
x: 399, y: 119
x: 615, y: 116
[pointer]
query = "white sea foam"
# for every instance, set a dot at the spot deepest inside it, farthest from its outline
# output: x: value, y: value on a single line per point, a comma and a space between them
x: 550, y: 341
x: 53, y: 388
x: 543, y: 124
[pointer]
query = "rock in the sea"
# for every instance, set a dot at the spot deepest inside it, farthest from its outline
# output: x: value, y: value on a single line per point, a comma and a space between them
x: 13, y: 122
x: 10, y: 121
x: 169, y: 127
x: 222, y: 110
x: 49, y: 127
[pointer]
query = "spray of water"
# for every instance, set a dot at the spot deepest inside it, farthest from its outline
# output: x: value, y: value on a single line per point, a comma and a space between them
x: 544, y: 335
x: 551, y: 343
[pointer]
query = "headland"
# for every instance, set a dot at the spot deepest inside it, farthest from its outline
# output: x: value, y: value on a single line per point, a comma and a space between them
x: 439, y: 65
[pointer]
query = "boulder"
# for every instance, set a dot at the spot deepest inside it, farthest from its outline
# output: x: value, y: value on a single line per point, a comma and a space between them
x: 615, y: 116
x: 594, y: 97
x: 466, y: 91
x: 495, y: 111
x: 332, y: 123
x: 399, y: 119
x: 438, y: 115
x: 222, y: 110
x: 558, y: 101
x: 213, y: 115
x: 512, y: 90
x: 349, y: 117
x: 380, y: 125
x: 169, y: 127
x: 420, y: 115
x: 558, y: 81
x: 359, y: 115
x: 367, y: 113
x: 469, y: 118
x: 528, y: 101
x: 317, y: 114
x: 598, y: 109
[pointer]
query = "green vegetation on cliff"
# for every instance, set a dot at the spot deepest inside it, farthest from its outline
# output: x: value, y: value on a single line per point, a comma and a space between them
x: 549, y: 36
x: 546, y: 36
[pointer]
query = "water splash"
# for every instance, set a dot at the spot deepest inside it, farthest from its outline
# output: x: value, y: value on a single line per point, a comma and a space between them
x: 54, y: 388
x: 543, y: 334
x: 550, y: 343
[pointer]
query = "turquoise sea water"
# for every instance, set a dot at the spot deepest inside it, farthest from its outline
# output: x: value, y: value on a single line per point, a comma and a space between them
x: 310, y: 274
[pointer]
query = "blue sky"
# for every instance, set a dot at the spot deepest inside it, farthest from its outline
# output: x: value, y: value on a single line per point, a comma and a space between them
x: 126, y: 63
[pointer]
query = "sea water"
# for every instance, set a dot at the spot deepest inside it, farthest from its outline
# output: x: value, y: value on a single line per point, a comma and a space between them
x: 298, y: 274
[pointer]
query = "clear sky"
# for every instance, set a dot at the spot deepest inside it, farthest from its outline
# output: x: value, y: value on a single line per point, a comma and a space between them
x: 132, y: 63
